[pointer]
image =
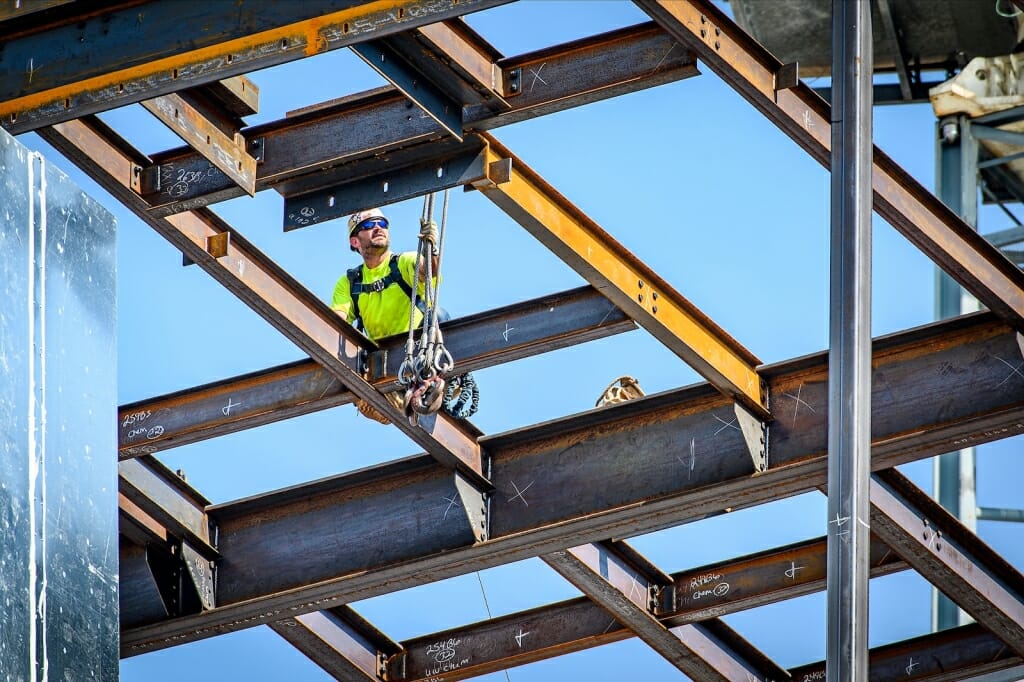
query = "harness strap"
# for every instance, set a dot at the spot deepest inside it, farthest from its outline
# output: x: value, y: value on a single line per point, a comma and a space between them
x: 394, y: 276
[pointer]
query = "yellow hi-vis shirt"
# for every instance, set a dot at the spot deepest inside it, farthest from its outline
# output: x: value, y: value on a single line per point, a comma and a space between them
x: 384, y: 313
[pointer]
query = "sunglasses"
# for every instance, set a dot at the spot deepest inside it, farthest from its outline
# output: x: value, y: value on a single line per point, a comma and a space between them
x: 372, y: 223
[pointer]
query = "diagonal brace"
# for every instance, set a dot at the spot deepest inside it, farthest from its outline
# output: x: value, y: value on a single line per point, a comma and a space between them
x: 949, y: 555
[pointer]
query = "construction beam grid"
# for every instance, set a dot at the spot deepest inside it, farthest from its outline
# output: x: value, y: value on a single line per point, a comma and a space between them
x: 578, y: 490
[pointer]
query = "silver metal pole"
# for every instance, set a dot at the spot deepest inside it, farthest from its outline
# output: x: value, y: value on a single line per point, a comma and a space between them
x: 849, y: 422
x: 953, y: 473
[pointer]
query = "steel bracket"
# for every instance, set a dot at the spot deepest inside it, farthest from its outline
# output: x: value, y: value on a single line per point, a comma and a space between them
x: 497, y: 173
x: 788, y: 76
x: 201, y: 571
x: 514, y: 82
x: 661, y: 599
x: 376, y: 365
x: 474, y: 502
x: 257, y: 149
x: 145, y: 180
x: 391, y: 668
x: 755, y: 433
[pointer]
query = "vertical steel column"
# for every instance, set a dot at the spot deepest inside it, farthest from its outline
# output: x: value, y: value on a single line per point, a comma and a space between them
x: 58, y: 407
x: 849, y: 424
x: 956, y: 180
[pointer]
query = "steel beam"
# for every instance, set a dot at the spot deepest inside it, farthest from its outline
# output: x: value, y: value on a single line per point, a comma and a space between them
x: 849, y: 379
x: 406, y: 174
x: 341, y: 642
x: 799, y: 112
x: 477, y: 341
x: 454, y: 46
x: 949, y: 556
x: 576, y: 73
x: 312, y: 547
x: 265, y: 288
x: 163, y: 497
x: 227, y: 150
x: 628, y: 282
x: 578, y: 624
x: 949, y: 656
x: 413, y: 83
x: 52, y: 73
x: 632, y: 592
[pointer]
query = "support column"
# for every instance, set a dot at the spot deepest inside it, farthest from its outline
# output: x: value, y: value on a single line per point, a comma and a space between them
x: 849, y: 422
x: 956, y: 180
x: 58, y: 410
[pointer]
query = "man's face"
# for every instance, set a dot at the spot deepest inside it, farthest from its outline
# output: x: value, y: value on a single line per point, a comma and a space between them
x: 374, y: 240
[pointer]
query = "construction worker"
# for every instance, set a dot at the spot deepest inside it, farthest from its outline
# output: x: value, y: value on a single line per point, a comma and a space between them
x: 377, y: 294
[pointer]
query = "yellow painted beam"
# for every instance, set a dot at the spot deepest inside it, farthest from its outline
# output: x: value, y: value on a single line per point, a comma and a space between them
x: 148, y: 78
x: 623, y: 278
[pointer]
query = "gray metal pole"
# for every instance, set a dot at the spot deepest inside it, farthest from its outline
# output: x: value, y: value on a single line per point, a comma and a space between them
x: 849, y: 423
x: 953, y: 473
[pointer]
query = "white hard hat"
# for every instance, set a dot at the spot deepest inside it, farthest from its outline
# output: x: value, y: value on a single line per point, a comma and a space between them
x: 358, y: 218
x: 361, y: 216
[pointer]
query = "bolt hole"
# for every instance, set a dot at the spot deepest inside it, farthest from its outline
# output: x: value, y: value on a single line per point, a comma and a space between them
x: 14, y: 117
x: 284, y: 43
x: 401, y: 12
x: 239, y: 165
x: 440, y: 172
x: 386, y: 186
x: 640, y: 298
x: 120, y: 88
x: 344, y: 27
x: 67, y: 102
x: 981, y: 74
x: 330, y: 201
x: 175, y: 113
x: 207, y: 139
x: 231, y: 58
x: 174, y: 74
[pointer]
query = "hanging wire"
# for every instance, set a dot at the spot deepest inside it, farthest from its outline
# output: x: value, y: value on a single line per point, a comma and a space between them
x: 487, y: 606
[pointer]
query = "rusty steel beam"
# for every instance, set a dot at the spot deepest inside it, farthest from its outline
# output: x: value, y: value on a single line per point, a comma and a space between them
x: 948, y: 656
x: 264, y: 287
x: 576, y: 73
x: 341, y: 642
x: 949, y: 556
x: 53, y: 74
x: 216, y: 140
x: 632, y: 592
x: 163, y: 498
x: 578, y: 624
x: 477, y: 341
x: 626, y: 280
x: 454, y: 46
x: 935, y: 389
x: 803, y: 115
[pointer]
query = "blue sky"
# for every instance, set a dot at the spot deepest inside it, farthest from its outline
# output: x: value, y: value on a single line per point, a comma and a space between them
x: 692, y: 180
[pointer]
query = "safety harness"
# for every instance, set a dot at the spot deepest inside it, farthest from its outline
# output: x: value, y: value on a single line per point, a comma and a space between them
x: 394, y: 276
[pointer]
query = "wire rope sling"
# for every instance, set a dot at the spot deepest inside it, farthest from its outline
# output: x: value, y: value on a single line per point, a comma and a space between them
x: 427, y: 365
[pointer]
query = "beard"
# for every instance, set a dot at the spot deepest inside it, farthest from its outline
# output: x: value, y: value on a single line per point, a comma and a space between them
x: 377, y: 245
